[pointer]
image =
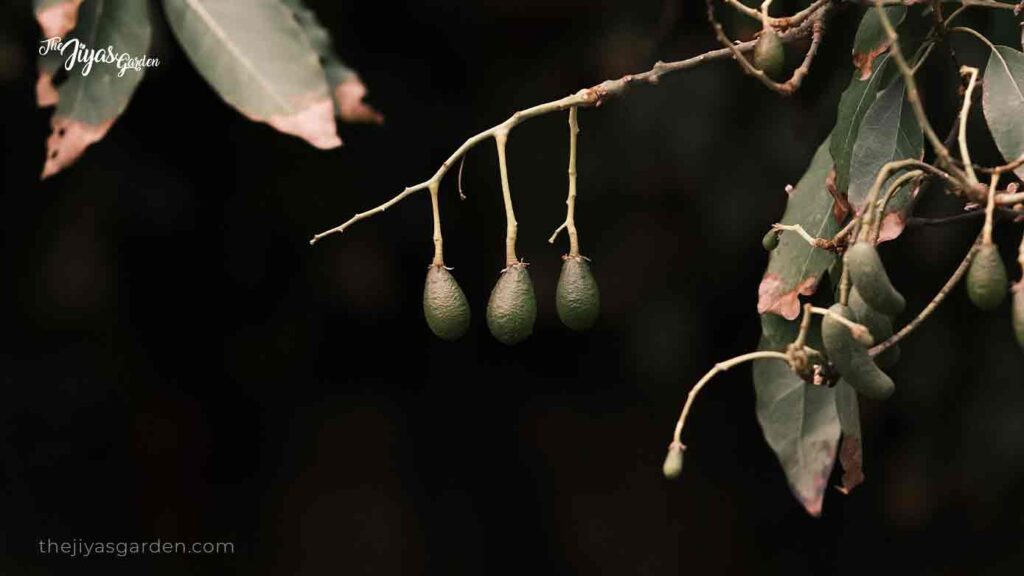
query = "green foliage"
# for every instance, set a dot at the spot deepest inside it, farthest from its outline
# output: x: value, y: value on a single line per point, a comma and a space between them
x: 260, y: 62
x: 853, y: 105
x: 795, y: 267
x: 871, y: 39
x: 889, y: 131
x: 1003, y: 102
x: 799, y: 420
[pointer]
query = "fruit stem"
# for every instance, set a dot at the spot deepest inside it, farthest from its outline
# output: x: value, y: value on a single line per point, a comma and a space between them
x: 965, y: 155
x: 721, y: 367
x: 876, y: 228
x: 990, y: 207
x: 438, y: 240
x: 511, y: 226
x: 570, y: 213
x: 961, y: 270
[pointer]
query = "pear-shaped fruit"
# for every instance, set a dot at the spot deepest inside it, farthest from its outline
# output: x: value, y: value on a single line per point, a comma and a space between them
x: 444, y: 304
x: 1018, y: 312
x: 770, y: 241
x: 880, y: 326
x: 769, y: 54
x: 577, y: 297
x: 986, y: 278
x: 673, y: 465
x: 869, y: 276
x: 512, y: 308
x: 851, y: 358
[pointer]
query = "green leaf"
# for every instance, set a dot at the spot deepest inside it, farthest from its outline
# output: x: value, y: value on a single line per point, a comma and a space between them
x: 854, y: 103
x: 799, y: 420
x: 258, y: 58
x: 794, y: 267
x: 56, y: 17
x: 871, y: 40
x: 889, y: 131
x: 1003, y: 102
x: 850, y: 451
x: 92, y: 98
x: 345, y: 85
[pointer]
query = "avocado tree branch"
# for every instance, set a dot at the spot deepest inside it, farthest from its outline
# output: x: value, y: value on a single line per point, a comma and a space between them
x: 986, y: 231
x: 958, y: 274
x: 585, y: 98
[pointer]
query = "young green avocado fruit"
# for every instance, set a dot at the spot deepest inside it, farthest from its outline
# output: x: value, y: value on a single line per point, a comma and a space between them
x: 769, y: 55
x: 673, y: 465
x: 512, y: 308
x: 869, y: 277
x: 986, y: 278
x: 851, y: 358
x: 577, y: 297
x: 1018, y: 312
x: 879, y: 325
x: 770, y: 241
x: 444, y: 304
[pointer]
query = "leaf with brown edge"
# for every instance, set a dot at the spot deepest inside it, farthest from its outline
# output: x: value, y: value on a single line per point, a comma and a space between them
x: 851, y: 456
x: 889, y: 131
x: 56, y: 17
x: 871, y: 40
x: 795, y: 267
x: 90, y: 103
x: 258, y: 58
x: 853, y: 105
x: 799, y: 420
x: 46, y: 90
x: 346, y: 87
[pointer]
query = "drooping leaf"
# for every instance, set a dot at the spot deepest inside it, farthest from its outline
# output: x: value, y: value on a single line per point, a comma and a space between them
x: 856, y: 99
x: 851, y: 456
x: 258, y: 58
x: 346, y: 87
x: 799, y: 420
x: 92, y: 98
x: 46, y: 92
x: 889, y: 131
x: 794, y: 267
x: 1003, y: 102
x: 871, y: 39
x: 56, y: 17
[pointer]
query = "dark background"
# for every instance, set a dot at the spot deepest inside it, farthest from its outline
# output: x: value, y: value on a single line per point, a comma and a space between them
x: 178, y: 362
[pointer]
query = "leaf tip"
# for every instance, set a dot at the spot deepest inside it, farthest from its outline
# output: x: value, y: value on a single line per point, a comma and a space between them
x: 314, y: 124
x: 58, y: 19
x: 68, y: 141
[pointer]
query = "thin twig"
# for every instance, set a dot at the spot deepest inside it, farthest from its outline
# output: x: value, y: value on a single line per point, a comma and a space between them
x: 894, y: 187
x: 720, y: 367
x: 859, y: 331
x: 943, y: 292
x: 986, y: 231
x: 585, y: 98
